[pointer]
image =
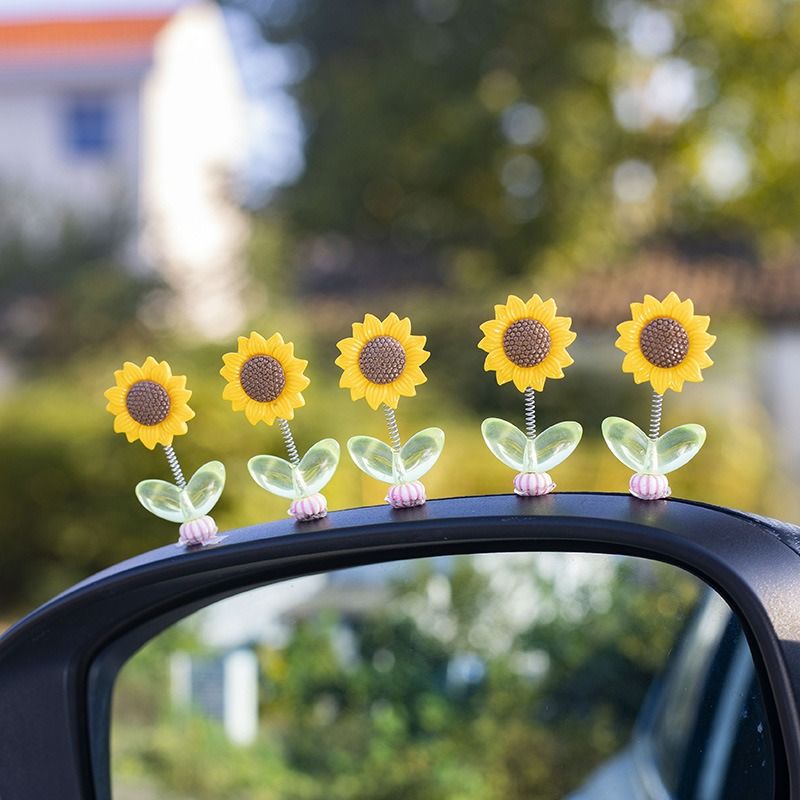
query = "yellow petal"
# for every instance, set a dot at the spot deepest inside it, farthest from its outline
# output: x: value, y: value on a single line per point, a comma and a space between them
x: 257, y: 344
x: 546, y: 312
x: 405, y: 386
x: 629, y: 330
x: 516, y: 307
x: 175, y: 426
x: 273, y: 344
x: 375, y: 395
x: 494, y: 360
x: 232, y: 391
x: 115, y: 395
x: 124, y: 422
x: 416, y: 375
x: 690, y: 370
x: 149, y: 435
x: 349, y: 347
x: 551, y: 369
x: 180, y: 396
x: 130, y: 373
x: 254, y: 411
x: 372, y: 326
x: 660, y: 379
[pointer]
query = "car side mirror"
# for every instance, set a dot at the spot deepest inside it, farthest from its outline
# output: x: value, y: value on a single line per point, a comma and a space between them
x: 59, y: 665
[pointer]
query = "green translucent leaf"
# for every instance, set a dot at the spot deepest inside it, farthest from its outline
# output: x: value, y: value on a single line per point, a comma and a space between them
x: 629, y: 443
x: 273, y: 474
x: 516, y: 450
x: 506, y: 441
x: 317, y: 467
x: 201, y: 494
x: 374, y: 457
x: 421, y: 452
x: 552, y: 446
x: 635, y: 449
x: 677, y: 447
x: 161, y: 498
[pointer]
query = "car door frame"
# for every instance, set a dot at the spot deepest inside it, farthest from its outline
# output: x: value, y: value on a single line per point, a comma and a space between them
x: 58, y: 665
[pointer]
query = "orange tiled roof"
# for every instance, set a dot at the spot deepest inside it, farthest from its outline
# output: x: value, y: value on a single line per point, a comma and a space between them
x: 31, y: 39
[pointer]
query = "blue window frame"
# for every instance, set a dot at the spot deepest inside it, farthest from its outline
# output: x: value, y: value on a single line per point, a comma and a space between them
x: 88, y: 128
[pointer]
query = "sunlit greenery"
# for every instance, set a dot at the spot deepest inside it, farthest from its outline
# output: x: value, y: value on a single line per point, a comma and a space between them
x: 456, y: 150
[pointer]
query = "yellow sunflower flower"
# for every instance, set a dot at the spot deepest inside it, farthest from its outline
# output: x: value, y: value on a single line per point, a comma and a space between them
x: 665, y: 343
x: 265, y: 380
x: 381, y: 361
x: 149, y: 403
x: 526, y: 342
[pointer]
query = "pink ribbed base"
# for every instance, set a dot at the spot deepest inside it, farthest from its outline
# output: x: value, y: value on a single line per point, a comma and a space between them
x: 199, y: 533
x: 533, y: 484
x: 650, y: 487
x: 309, y: 508
x: 406, y: 495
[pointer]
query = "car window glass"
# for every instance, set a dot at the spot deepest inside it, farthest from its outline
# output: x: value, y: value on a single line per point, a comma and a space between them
x: 706, y: 736
x: 493, y: 676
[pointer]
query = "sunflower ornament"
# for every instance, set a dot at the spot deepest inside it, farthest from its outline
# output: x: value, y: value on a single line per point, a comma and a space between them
x: 665, y: 345
x: 526, y: 343
x: 265, y: 380
x: 381, y: 362
x: 151, y: 405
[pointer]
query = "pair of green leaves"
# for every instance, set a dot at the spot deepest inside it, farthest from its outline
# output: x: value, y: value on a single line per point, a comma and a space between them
x: 525, y: 454
x: 634, y: 448
x: 315, y: 469
x: 195, y: 500
x: 408, y: 463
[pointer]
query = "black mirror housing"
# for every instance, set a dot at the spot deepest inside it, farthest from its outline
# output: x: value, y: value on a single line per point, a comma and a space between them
x: 58, y: 665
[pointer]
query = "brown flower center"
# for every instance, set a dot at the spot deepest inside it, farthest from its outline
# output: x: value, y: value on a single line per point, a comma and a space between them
x: 664, y: 342
x: 527, y: 342
x: 262, y: 378
x: 382, y: 359
x: 148, y: 402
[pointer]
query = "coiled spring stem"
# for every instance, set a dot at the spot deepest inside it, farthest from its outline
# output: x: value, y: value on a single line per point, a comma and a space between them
x: 655, y: 415
x: 175, y: 466
x: 530, y: 412
x: 288, y: 440
x: 391, y: 424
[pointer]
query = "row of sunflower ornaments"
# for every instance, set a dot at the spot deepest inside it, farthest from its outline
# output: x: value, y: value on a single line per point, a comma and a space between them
x: 665, y: 344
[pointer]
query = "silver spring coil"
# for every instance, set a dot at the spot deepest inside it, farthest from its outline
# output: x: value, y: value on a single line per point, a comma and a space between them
x: 391, y: 424
x: 175, y: 466
x: 288, y: 440
x: 530, y: 412
x: 655, y: 415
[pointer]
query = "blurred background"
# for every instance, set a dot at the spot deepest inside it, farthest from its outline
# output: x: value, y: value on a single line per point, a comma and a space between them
x: 173, y: 174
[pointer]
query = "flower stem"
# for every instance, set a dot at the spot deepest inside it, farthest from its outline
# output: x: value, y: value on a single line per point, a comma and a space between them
x: 288, y: 440
x: 655, y: 415
x: 391, y: 424
x: 530, y: 412
x: 175, y: 466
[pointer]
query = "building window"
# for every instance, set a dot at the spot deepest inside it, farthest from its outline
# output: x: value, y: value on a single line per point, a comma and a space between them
x: 88, y: 126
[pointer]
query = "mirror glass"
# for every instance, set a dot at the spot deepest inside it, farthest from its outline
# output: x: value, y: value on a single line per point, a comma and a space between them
x: 486, y: 677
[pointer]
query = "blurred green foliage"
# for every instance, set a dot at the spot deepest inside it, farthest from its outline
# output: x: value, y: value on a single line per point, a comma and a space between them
x: 470, y: 140
x: 387, y: 723
x: 455, y: 150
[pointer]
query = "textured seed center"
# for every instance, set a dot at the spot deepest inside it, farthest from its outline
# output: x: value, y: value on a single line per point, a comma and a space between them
x: 664, y: 342
x: 147, y: 402
x: 262, y: 378
x: 527, y: 342
x: 382, y: 359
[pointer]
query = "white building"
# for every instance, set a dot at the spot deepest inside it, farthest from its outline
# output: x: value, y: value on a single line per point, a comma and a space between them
x: 140, y: 112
